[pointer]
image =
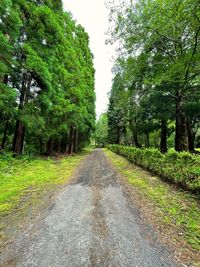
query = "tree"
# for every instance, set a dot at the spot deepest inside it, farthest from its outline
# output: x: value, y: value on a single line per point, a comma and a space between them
x: 46, y: 76
x: 171, y: 42
x: 101, y: 131
x: 192, y: 109
x: 117, y: 109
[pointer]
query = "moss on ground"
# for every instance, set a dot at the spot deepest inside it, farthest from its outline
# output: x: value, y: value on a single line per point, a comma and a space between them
x: 21, y: 177
x: 177, y: 208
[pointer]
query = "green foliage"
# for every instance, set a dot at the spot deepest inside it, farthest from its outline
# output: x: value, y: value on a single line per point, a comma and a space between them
x: 180, y: 168
x: 158, y: 66
x: 101, y: 132
x: 118, y: 110
x: 46, y: 78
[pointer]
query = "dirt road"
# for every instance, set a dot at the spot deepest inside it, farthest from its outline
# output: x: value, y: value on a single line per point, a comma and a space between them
x: 91, y: 223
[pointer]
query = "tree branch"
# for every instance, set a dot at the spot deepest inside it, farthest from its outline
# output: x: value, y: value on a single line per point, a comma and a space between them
x: 168, y: 38
x: 193, y: 53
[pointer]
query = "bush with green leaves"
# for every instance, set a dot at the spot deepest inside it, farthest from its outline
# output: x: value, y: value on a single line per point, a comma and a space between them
x: 180, y: 168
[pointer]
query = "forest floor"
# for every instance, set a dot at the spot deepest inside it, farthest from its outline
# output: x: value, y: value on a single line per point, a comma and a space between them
x: 101, y: 219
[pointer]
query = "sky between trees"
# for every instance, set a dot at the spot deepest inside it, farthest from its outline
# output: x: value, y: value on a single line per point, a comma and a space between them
x: 93, y: 15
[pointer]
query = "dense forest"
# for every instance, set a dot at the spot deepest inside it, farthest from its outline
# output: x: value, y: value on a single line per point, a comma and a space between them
x: 46, y: 79
x: 155, y: 96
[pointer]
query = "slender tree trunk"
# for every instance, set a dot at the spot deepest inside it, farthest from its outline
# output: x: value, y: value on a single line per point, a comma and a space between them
x: 72, y: 145
x: 147, y: 140
x: 50, y: 146
x: 63, y: 145
x: 71, y: 136
x: 191, y: 136
x: 118, y: 135
x: 66, y: 144
x: 5, y: 81
x: 18, y: 141
x: 5, y: 135
x: 135, y: 140
x: 58, y: 146
x: 67, y: 148
x: 181, y: 138
x: 75, y: 141
x: 163, y: 136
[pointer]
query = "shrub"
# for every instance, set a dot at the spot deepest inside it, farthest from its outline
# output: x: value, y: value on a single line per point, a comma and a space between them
x: 180, y: 168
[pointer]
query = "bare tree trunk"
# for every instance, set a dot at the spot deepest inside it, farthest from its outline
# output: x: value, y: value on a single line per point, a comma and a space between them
x: 181, y: 139
x: 191, y: 136
x: 5, y: 135
x: 135, y: 140
x: 163, y: 136
x: 5, y: 81
x: 18, y: 140
x: 50, y: 146
x: 147, y: 145
x: 70, y: 146
x: 67, y: 148
x: 58, y: 146
x: 75, y: 141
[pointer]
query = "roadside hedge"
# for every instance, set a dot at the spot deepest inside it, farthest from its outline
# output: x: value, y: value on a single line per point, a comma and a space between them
x: 180, y: 168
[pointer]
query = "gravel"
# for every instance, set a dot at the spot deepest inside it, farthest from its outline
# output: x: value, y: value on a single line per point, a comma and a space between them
x: 90, y: 223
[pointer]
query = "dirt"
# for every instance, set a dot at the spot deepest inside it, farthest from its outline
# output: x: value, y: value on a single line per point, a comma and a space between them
x: 91, y: 222
x: 168, y: 234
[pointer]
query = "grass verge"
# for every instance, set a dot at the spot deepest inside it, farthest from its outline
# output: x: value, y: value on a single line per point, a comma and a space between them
x: 27, y: 186
x: 20, y: 177
x: 176, y: 208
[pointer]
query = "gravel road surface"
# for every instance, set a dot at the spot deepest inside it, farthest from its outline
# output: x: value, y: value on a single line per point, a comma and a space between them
x: 90, y: 223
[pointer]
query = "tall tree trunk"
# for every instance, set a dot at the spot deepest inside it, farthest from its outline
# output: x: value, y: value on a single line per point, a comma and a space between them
x: 135, y: 140
x: 147, y: 145
x: 58, y: 146
x: 191, y: 136
x: 18, y: 141
x: 163, y: 136
x: 118, y: 135
x: 66, y: 144
x: 181, y: 138
x: 5, y: 81
x: 71, y: 136
x: 75, y: 141
x: 50, y: 146
x: 67, y: 148
x: 5, y: 135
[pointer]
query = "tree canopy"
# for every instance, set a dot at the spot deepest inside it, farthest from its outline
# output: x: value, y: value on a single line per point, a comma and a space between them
x: 47, y: 98
x: 158, y: 71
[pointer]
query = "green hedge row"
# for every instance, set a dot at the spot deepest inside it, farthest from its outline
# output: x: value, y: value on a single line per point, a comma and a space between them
x: 180, y: 168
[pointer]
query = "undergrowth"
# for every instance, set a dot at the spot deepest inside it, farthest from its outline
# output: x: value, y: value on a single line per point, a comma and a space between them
x: 180, y: 168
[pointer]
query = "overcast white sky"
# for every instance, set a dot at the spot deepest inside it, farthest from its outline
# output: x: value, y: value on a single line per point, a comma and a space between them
x: 93, y: 16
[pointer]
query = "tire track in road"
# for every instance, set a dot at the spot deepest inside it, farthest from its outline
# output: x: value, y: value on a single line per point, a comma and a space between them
x: 91, y: 223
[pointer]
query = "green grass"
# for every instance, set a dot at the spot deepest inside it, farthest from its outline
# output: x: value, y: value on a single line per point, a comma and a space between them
x: 176, y: 207
x: 19, y: 177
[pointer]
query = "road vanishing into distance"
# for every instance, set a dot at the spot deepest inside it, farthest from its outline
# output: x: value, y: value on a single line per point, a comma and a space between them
x: 91, y: 222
